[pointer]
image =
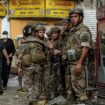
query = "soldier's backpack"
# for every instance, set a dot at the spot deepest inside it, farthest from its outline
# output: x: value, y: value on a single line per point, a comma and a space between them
x: 33, y: 53
x: 37, y: 53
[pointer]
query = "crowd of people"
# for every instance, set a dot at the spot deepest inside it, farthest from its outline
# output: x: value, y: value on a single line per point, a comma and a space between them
x: 55, y: 65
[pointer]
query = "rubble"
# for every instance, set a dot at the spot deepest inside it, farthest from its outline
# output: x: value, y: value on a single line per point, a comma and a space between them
x: 60, y: 100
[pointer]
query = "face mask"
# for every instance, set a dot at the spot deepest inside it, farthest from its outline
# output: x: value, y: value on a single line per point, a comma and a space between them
x: 5, y: 36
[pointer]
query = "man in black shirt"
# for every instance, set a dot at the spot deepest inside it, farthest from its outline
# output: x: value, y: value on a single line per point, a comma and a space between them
x: 10, y: 48
x: 2, y: 52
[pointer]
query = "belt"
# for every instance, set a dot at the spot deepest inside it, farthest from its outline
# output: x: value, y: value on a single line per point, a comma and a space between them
x: 74, y: 63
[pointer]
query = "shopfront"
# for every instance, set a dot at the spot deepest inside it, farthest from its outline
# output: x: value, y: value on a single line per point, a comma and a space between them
x: 22, y: 12
x: 100, y: 45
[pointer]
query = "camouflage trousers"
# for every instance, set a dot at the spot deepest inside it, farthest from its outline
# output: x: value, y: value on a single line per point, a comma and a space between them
x: 56, y: 87
x: 36, y: 82
x: 68, y: 86
x: 78, y: 83
x: 91, y: 74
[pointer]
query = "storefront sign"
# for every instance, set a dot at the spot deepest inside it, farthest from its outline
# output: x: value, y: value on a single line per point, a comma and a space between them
x: 26, y: 8
x: 58, y: 8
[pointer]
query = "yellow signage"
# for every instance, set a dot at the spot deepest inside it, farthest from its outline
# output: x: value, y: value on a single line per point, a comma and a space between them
x: 58, y: 8
x: 26, y: 8
x: 2, y: 10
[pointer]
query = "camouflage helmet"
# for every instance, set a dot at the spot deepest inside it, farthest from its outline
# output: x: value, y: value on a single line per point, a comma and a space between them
x: 27, y: 30
x: 77, y: 11
x: 66, y: 20
x: 55, y: 29
x: 48, y: 33
x: 40, y: 27
x: 41, y: 23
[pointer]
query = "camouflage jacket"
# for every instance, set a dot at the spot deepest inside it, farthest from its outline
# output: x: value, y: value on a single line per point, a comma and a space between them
x: 57, y: 46
x: 64, y: 37
x: 79, y: 37
x: 28, y: 45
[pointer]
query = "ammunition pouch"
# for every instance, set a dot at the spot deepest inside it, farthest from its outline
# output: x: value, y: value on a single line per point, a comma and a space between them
x: 72, y: 55
x: 56, y: 58
x: 26, y: 60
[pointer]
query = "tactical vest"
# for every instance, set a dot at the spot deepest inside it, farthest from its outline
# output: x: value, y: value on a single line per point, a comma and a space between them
x: 74, y: 48
x: 33, y: 53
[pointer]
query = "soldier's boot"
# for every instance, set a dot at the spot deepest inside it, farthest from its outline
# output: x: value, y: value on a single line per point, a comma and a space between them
x: 82, y: 100
x: 30, y: 103
x: 42, y: 100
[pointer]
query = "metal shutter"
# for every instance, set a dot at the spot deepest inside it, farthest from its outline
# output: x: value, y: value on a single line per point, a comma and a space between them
x: 91, y: 22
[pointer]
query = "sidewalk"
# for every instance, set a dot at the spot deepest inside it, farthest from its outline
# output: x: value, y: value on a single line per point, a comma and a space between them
x: 11, y: 96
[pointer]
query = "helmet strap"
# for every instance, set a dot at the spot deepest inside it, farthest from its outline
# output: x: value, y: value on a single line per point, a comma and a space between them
x: 80, y: 19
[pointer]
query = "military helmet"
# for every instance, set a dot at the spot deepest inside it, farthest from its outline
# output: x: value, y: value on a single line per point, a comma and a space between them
x: 27, y: 30
x: 66, y: 20
x: 77, y: 11
x: 48, y: 33
x: 41, y: 23
x: 55, y: 29
x: 40, y: 27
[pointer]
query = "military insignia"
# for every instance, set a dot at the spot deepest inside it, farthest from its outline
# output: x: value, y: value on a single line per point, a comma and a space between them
x: 84, y: 38
x: 71, y: 55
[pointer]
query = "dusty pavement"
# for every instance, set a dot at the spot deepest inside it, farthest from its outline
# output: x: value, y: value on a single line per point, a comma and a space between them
x: 11, y: 96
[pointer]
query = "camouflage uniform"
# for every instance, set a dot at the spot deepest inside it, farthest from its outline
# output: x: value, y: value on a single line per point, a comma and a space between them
x: 35, y: 74
x: 65, y: 77
x: 65, y: 66
x: 80, y: 36
x: 18, y: 50
x: 55, y: 65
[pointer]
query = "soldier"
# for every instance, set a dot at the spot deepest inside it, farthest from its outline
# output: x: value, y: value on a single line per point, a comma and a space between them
x: 32, y: 60
x: 20, y: 76
x: 64, y: 33
x: 78, y: 45
x: 49, y: 35
x: 55, y: 60
x: 66, y: 24
x: 64, y: 36
x: 35, y: 25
